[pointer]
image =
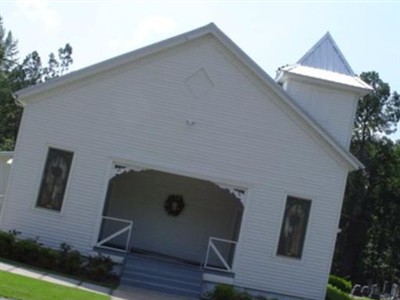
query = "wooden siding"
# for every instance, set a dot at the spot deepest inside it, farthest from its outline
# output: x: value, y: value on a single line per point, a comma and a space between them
x: 139, y: 112
x: 332, y: 109
x: 5, y: 167
x: 325, y: 54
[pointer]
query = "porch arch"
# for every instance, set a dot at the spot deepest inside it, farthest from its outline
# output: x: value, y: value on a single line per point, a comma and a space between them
x: 211, y: 210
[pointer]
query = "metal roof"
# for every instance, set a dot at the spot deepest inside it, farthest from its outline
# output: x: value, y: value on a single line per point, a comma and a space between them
x: 329, y: 76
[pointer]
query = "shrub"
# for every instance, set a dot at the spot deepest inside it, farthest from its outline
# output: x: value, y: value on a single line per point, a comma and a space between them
x: 244, y: 296
x: 48, y: 258
x: 333, y: 293
x: 64, y: 260
x: 69, y: 261
x: 341, y: 283
x: 227, y: 292
x: 223, y: 292
x: 99, y: 268
x: 27, y: 251
x: 7, y: 244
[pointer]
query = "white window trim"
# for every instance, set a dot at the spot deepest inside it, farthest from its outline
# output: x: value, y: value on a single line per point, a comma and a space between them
x: 288, y: 259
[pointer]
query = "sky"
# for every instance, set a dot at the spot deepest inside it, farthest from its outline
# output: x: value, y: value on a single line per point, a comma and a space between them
x: 272, y: 33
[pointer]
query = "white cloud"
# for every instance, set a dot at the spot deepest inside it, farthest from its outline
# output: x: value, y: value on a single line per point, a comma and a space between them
x: 39, y: 11
x: 150, y: 29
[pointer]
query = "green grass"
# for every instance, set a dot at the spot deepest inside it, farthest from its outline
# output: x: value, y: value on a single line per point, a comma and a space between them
x: 24, y: 288
x: 47, y: 271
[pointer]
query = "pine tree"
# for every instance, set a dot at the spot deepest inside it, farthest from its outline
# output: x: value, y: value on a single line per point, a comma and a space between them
x: 15, y: 76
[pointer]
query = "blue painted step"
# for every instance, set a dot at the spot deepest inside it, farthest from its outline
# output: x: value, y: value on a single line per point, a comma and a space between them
x: 162, y: 276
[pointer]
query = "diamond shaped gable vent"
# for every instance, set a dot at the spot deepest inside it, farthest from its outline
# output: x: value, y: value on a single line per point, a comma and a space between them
x: 199, y: 84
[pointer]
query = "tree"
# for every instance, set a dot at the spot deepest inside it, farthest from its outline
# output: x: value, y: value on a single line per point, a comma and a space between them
x: 15, y: 76
x: 381, y: 255
x: 367, y: 246
x: 8, y: 49
x: 378, y: 112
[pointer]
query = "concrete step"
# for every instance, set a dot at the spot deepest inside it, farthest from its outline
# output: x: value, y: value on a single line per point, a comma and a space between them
x: 164, y: 271
x: 157, y: 261
x: 182, y: 283
x: 162, y: 288
x: 162, y: 275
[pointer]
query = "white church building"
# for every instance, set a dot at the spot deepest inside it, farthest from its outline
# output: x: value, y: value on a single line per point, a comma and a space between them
x: 187, y: 152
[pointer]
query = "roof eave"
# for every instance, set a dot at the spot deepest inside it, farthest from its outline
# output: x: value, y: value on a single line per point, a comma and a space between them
x: 112, y: 63
x: 358, y: 165
x: 361, y: 91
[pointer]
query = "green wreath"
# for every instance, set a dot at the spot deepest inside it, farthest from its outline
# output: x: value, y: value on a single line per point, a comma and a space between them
x: 174, y: 205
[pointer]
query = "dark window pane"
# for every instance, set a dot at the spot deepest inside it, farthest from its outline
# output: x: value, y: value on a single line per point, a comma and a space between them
x: 54, y: 180
x: 294, y: 227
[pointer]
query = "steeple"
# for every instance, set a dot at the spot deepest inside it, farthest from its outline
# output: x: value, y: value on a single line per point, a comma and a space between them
x: 323, y: 84
x: 326, y: 55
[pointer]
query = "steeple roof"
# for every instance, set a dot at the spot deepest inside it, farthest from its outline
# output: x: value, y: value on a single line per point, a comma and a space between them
x: 325, y: 63
x: 326, y: 55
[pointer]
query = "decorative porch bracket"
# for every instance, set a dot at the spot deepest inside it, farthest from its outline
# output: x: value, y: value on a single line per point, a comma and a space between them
x: 120, y: 169
x: 213, y: 248
x: 238, y: 193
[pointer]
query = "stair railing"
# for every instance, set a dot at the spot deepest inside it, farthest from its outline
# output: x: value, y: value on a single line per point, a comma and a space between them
x: 120, y: 232
x: 225, y: 260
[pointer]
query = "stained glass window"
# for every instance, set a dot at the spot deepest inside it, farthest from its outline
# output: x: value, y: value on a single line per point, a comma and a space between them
x: 54, y: 180
x: 294, y: 226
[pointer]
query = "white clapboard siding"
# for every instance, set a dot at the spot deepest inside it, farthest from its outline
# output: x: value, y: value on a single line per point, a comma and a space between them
x: 333, y: 109
x: 6, y: 158
x: 138, y: 113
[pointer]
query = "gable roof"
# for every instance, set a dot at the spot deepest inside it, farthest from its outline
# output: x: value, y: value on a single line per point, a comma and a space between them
x: 326, y: 55
x: 211, y: 29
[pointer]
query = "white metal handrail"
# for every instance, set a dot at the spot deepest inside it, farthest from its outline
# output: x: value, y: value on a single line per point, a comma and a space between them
x: 127, y: 228
x: 212, y: 247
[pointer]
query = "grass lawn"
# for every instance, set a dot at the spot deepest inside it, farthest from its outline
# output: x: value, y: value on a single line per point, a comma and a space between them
x: 24, y: 288
x: 112, y: 285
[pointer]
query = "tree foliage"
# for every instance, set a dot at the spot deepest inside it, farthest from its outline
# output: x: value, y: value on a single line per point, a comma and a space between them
x: 368, y: 249
x: 15, y: 76
x: 378, y: 112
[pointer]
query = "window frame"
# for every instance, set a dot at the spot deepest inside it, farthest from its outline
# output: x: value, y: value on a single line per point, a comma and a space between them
x: 45, y: 158
x: 306, y: 229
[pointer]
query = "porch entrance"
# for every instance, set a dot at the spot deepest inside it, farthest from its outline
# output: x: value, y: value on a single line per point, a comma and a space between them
x: 136, y: 219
